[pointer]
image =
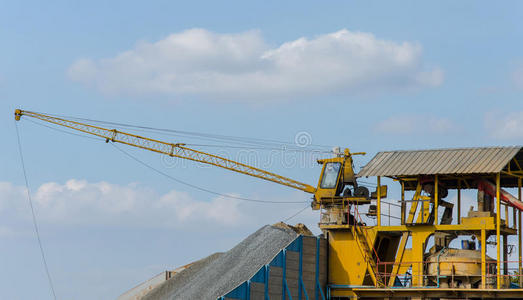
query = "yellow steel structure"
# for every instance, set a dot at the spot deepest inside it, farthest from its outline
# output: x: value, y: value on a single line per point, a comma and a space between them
x: 172, y: 149
x: 395, y: 260
x: 340, y: 166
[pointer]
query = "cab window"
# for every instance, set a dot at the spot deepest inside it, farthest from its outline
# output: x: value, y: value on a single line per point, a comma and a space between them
x: 330, y: 175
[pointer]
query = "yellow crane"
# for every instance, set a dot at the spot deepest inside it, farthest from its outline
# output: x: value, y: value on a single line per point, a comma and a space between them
x: 368, y: 260
x: 337, y: 172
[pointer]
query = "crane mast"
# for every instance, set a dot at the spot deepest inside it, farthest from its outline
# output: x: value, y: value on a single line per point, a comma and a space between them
x: 178, y: 150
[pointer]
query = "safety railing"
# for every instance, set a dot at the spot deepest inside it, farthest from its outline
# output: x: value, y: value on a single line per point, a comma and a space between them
x: 511, y: 275
x: 357, y: 222
x: 456, y: 273
x: 389, y: 214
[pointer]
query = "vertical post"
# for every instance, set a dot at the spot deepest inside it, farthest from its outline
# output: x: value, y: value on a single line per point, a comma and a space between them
x: 248, y: 290
x: 402, y: 203
x: 436, y: 196
x: 505, y: 256
x: 459, y: 201
x: 483, y: 258
x: 498, y: 231
x: 519, y: 236
x: 378, y: 200
x: 266, y: 290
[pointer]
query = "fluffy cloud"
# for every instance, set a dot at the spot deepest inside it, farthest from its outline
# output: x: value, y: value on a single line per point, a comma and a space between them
x: 407, y: 124
x: 243, y: 66
x: 81, y: 203
x: 505, y: 126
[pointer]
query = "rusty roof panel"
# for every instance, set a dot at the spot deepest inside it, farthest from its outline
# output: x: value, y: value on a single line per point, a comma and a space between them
x: 440, y: 161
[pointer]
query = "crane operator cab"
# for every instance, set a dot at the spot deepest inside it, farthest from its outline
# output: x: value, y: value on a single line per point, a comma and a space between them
x: 338, y: 189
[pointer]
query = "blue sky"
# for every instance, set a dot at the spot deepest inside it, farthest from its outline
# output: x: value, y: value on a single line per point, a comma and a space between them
x: 367, y: 75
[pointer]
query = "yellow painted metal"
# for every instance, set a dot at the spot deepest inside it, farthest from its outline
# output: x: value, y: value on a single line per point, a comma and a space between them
x: 498, y: 230
x: 405, y: 236
x: 403, y: 206
x: 417, y: 233
x: 424, y: 213
x: 365, y: 245
x: 483, y: 242
x: 345, y: 176
x: 353, y: 250
x: 344, y: 293
x: 459, y: 201
x: 18, y: 114
x: 468, y: 224
x: 434, y: 293
x: 419, y: 243
x: 172, y: 149
x: 436, y: 196
x: 348, y: 264
x: 378, y: 202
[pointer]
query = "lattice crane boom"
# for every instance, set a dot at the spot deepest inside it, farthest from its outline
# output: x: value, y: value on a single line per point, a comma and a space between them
x: 172, y: 149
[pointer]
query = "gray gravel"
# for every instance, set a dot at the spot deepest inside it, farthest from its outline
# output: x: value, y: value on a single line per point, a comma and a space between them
x: 219, y: 273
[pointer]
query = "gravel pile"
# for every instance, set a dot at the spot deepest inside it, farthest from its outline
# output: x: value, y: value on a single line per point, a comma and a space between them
x: 219, y: 273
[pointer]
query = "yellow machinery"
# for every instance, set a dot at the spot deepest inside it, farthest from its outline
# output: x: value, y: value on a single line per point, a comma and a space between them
x: 411, y: 259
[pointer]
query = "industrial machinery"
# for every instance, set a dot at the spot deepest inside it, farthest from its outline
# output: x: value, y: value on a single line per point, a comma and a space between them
x: 414, y: 258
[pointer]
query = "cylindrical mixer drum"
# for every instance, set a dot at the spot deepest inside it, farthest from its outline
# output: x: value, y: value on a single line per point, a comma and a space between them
x: 458, y: 268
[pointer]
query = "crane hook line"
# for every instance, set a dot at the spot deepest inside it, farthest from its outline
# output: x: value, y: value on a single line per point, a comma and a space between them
x: 299, y: 212
x: 35, y: 224
x: 197, y: 187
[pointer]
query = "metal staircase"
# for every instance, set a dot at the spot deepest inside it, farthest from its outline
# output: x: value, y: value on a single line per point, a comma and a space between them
x: 367, y: 251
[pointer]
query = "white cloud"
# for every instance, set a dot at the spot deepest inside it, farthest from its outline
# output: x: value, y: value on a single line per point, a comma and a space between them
x: 505, y: 125
x: 243, y: 66
x: 415, y: 124
x: 517, y: 76
x: 81, y: 203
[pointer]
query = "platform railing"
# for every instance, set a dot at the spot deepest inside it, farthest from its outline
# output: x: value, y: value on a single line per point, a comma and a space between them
x: 445, y: 275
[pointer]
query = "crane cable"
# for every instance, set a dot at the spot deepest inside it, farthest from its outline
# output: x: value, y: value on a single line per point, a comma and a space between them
x: 195, y: 186
x: 165, y: 174
x: 35, y: 224
x: 283, y: 148
x: 200, y: 135
x: 299, y: 212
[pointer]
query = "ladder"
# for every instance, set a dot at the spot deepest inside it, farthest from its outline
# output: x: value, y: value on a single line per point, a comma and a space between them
x: 366, y: 250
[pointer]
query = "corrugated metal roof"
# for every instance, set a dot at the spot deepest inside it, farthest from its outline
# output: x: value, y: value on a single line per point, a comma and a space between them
x: 440, y: 161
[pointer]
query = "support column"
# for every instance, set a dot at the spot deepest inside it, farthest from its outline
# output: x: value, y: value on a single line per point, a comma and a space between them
x: 498, y: 231
x: 378, y: 202
x: 436, y: 199
x: 483, y: 244
x: 403, y: 205
x: 459, y: 201
x: 419, y: 242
